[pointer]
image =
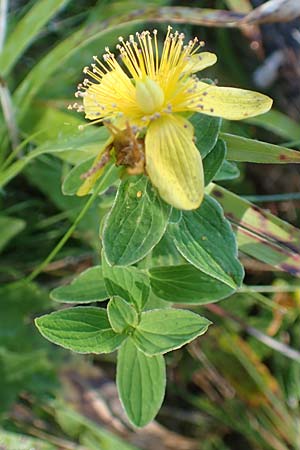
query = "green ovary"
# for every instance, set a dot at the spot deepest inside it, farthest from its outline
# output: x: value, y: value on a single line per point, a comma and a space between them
x: 149, y: 95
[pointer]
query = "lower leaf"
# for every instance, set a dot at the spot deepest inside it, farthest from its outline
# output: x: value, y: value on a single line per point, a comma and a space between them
x: 163, y: 330
x: 141, y: 382
x: 82, y: 329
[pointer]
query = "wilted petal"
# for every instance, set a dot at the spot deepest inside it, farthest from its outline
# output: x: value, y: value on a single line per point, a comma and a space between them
x: 94, y: 172
x: 173, y: 162
x: 230, y: 103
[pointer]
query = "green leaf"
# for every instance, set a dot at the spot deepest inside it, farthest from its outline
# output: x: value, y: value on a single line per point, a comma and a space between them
x: 9, y: 228
x: 205, y: 239
x: 73, y: 180
x: 129, y: 283
x: 136, y: 223
x: 88, y: 287
x: 121, y: 315
x: 163, y: 330
x: 207, y: 130
x: 164, y: 253
x: 84, y: 329
x: 26, y: 30
x: 141, y: 382
x: 228, y: 171
x: 249, y: 150
x: 186, y: 284
x: 213, y: 161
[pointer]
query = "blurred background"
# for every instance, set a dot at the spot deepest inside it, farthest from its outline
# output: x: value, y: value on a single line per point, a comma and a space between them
x: 238, y: 387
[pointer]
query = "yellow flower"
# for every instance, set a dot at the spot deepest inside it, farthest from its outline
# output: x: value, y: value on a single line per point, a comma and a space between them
x: 149, y: 92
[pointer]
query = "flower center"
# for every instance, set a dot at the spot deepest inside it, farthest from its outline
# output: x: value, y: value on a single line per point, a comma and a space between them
x: 149, y: 95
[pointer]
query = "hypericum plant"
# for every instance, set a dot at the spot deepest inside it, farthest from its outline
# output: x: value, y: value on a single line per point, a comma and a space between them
x: 164, y: 239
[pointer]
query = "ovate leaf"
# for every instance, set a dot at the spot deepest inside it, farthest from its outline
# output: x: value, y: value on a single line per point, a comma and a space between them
x: 213, y: 161
x: 129, y: 283
x: 136, y: 223
x: 205, y: 238
x: 141, y: 382
x: 163, y: 330
x: 82, y: 329
x: 186, y: 284
x: 207, y: 130
x: 88, y: 287
x: 121, y: 315
x: 228, y: 171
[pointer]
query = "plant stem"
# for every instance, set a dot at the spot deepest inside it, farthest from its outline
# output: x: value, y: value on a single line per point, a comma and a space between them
x: 66, y: 236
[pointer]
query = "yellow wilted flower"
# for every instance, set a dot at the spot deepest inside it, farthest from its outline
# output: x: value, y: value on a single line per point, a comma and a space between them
x: 146, y: 93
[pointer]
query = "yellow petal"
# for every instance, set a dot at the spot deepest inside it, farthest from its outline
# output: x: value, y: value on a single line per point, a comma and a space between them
x: 231, y: 103
x: 111, y: 95
x: 173, y: 162
x: 200, y: 61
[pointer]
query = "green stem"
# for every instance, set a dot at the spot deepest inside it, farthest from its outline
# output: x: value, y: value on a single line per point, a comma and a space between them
x: 67, y: 235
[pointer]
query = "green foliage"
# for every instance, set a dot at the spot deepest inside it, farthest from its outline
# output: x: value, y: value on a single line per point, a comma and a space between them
x: 122, y: 315
x: 136, y: 373
x: 82, y: 329
x: 13, y: 441
x: 24, y: 356
x: 206, y: 132
x: 136, y: 222
x: 9, y: 226
x: 186, y: 284
x: 160, y: 331
x: 152, y: 256
x: 242, y: 149
x: 86, y: 288
x: 205, y: 239
x: 214, y: 161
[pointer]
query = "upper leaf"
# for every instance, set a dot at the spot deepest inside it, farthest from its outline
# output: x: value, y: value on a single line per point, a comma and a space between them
x: 186, y: 284
x: 205, y: 238
x: 163, y: 330
x: 207, y: 130
x: 121, y: 315
x: 82, y: 329
x: 228, y: 171
x: 128, y: 282
x: 136, y: 223
x: 213, y: 161
x: 88, y: 287
x: 141, y: 382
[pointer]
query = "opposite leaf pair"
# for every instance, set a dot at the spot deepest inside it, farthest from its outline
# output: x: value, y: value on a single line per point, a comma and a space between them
x: 143, y: 339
